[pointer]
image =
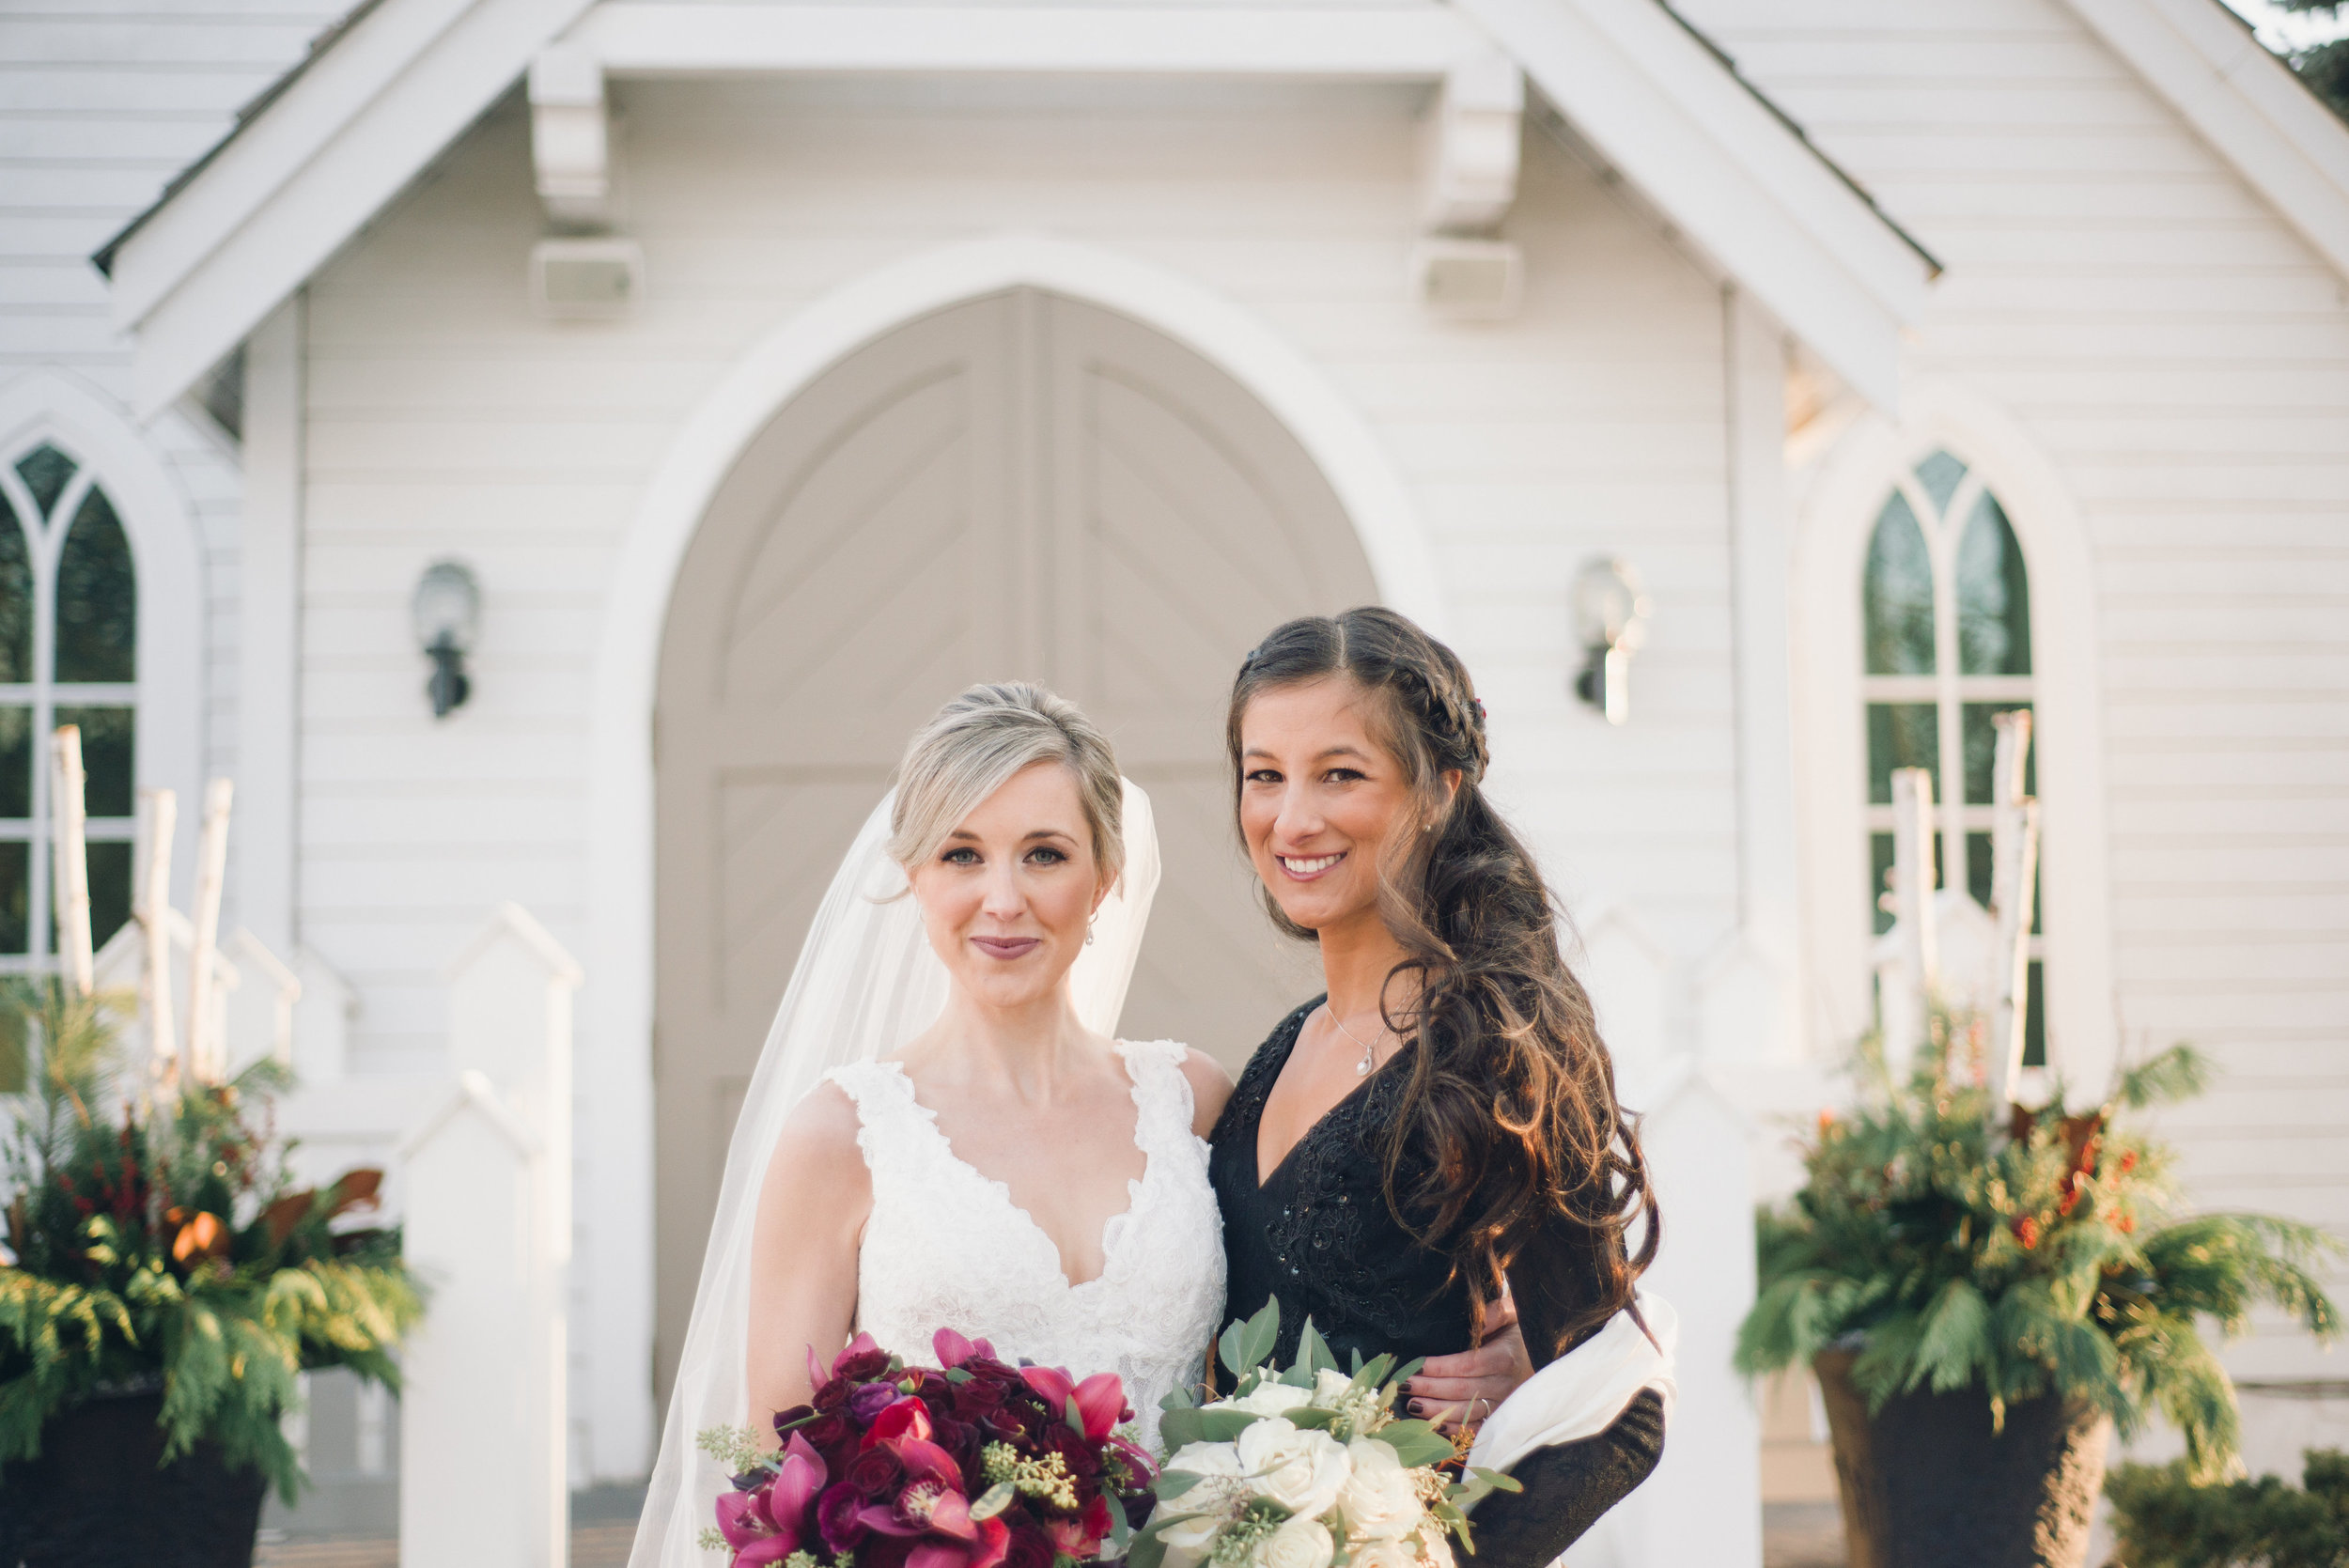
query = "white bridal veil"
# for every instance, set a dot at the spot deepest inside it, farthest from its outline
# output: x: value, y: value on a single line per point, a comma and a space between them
x: 867, y: 982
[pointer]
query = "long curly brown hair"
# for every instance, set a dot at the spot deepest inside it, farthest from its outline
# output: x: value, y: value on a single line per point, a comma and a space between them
x: 1508, y: 1151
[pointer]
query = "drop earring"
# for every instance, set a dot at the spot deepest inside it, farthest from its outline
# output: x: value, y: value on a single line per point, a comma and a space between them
x: 1088, y: 934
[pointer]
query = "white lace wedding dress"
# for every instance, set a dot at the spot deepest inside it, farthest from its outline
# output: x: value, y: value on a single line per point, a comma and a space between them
x: 946, y: 1248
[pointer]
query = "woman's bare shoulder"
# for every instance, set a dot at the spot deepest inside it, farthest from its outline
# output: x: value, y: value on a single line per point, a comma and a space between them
x: 820, y: 1134
x: 1210, y: 1086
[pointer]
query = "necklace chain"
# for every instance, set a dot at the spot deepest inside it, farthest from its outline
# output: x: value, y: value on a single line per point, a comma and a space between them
x: 1370, y: 1059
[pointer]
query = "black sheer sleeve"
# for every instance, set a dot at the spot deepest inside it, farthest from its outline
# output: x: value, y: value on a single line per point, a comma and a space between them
x: 1567, y: 1488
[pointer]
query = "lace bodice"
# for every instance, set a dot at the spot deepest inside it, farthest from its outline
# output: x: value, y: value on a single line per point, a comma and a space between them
x: 946, y: 1248
x: 1316, y: 1231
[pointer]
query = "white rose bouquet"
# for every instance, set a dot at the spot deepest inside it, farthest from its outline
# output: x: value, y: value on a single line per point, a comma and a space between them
x: 1306, y: 1468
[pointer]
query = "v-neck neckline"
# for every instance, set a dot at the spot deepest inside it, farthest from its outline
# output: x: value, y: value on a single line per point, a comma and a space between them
x: 1255, y: 1136
x: 1113, y: 1229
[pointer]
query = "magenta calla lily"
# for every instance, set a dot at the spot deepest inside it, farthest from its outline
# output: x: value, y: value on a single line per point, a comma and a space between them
x: 954, y: 1350
x: 1100, y: 1399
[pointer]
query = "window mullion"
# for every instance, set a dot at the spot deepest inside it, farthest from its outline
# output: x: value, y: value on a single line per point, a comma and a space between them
x: 48, y: 542
x: 1941, y: 544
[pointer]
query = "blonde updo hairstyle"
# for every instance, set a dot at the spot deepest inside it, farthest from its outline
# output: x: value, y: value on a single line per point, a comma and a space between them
x: 973, y: 747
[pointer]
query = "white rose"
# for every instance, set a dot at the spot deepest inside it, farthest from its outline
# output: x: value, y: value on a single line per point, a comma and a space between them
x: 1378, y: 1498
x: 1218, y: 1467
x: 1302, y: 1471
x: 1208, y: 1461
x: 1300, y: 1543
x: 1267, y: 1399
x: 1435, y: 1547
x: 1330, y: 1386
x: 1384, y: 1554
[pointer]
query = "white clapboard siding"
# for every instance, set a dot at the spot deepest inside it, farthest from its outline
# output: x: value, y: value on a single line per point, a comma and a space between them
x: 101, y: 102
x: 2185, y: 359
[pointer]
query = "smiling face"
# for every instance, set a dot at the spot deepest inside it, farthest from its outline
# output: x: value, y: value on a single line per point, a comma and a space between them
x: 1321, y: 798
x: 1007, y: 897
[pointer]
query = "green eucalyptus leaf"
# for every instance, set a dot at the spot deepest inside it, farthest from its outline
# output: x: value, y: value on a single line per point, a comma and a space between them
x: 1180, y: 1428
x: 994, y: 1500
x: 1224, y: 1426
x: 1313, y: 1352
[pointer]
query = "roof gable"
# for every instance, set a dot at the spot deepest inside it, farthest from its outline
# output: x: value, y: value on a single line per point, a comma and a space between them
x: 2205, y: 60
x: 337, y: 140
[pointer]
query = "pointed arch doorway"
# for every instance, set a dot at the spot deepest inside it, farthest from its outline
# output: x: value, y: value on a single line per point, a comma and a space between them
x: 1022, y: 485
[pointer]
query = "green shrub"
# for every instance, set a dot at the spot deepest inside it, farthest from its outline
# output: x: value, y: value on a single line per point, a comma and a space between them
x: 2047, y: 1255
x: 2162, y: 1518
x: 155, y: 1236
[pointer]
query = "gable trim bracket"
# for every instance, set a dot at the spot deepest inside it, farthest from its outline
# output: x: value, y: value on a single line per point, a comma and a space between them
x: 2206, y: 61
x: 1664, y: 109
x: 329, y: 149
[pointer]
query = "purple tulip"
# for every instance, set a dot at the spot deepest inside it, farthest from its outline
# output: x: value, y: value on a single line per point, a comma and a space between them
x: 868, y: 1400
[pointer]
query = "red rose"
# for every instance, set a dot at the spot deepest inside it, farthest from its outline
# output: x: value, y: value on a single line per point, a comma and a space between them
x: 827, y: 1432
x: 978, y: 1395
x: 961, y: 1439
x: 876, y: 1473
x: 861, y: 1366
x: 1029, y: 1548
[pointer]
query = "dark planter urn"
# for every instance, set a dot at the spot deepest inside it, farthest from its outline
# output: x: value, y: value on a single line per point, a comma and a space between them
x: 97, y: 1498
x: 1928, y: 1482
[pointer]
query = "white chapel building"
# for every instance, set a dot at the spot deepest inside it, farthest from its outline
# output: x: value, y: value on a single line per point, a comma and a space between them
x: 773, y: 370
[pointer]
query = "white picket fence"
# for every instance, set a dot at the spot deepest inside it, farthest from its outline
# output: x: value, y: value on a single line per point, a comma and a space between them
x: 469, y: 1463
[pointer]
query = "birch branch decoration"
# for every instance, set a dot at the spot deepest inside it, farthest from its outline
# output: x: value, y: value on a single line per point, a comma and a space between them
x: 70, y: 852
x: 204, y: 1059
x: 1905, y: 1015
x: 159, y: 816
x: 2014, y: 882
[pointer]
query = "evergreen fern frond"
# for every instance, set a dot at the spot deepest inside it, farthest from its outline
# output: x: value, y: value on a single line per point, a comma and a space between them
x: 1954, y: 1344
x: 2179, y: 1072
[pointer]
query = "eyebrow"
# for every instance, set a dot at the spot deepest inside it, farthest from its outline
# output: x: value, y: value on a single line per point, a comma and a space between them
x: 966, y: 835
x: 1331, y: 752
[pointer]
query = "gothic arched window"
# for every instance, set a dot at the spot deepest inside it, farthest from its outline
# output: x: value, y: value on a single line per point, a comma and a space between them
x: 68, y: 644
x: 1945, y: 620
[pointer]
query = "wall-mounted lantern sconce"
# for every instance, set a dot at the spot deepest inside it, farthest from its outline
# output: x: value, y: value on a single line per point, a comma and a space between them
x: 447, y: 613
x: 1610, y: 611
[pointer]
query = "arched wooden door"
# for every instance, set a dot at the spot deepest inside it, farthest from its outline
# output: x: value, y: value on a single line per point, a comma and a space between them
x: 1023, y: 485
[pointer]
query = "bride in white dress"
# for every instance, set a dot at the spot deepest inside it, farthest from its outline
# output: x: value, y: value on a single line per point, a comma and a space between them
x: 941, y: 1133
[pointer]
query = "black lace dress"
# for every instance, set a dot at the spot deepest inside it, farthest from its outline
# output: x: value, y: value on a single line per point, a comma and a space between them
x: 1317, y: 1233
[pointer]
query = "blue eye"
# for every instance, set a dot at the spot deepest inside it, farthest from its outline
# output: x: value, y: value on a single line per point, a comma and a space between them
x: 960, y: 855
x: 1048, y: 856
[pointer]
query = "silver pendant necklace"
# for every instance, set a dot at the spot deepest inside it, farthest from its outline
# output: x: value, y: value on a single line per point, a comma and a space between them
x: 1370, y: 1059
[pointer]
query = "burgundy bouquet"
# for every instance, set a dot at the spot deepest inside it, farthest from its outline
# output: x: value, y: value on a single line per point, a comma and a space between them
x: 969, y: 1464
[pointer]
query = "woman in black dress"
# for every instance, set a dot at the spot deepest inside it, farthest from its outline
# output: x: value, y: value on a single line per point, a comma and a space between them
x: 1439, y: 1131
